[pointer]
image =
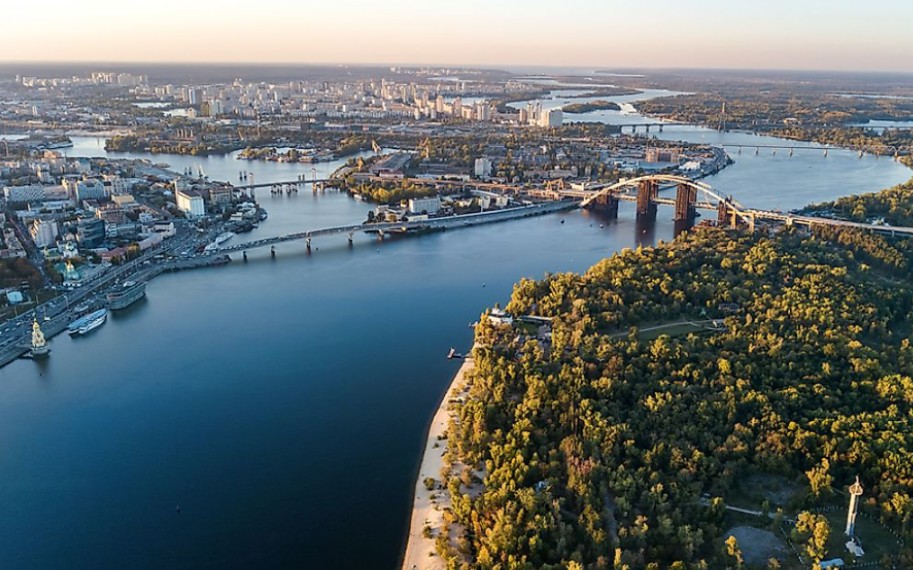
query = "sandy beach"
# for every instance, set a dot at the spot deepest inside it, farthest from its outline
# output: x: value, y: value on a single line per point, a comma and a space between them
x: 419, y: 549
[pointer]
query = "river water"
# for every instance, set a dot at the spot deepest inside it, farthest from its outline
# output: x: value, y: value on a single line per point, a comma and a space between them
x: 283, y: 404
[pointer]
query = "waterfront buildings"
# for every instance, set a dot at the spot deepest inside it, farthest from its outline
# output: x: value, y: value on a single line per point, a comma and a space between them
x: 190, y: 202
x: 425, y: 205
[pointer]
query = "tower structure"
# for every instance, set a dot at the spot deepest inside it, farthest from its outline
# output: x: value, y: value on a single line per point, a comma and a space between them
x: 39, y: 344
x: 855, y: 492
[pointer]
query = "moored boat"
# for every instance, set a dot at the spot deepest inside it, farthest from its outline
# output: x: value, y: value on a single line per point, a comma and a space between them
x: 125, y: 295
x: 74, y: 327
x: 97, y: 319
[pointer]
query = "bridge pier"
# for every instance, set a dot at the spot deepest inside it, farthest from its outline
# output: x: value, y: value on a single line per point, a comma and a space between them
x: 272, y: 251
x: 725, y: 215
x: 244, y: 253
x: 607, y: 204
x: 660, y: 128
x: 647, y: 192
x: 351, y: 238
x: 685, y: 201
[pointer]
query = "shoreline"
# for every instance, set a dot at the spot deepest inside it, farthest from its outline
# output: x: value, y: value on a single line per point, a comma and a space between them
x: 420, y: 553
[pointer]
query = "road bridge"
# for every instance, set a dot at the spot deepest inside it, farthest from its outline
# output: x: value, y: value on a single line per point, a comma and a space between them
x: 388, y: 228
x: 644, y: 191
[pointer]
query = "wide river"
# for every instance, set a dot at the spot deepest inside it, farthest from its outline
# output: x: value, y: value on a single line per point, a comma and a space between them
x: 283, y: 404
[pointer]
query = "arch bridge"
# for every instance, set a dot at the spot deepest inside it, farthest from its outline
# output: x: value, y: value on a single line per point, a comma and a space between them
x: 690, y: 195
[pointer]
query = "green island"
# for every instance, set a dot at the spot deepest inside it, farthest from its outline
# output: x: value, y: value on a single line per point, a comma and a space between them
x: 702, y: 404
x: 813, y: 113
x: 599, y: 105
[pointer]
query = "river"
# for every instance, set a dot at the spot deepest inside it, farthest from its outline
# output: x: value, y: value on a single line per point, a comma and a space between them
x: 283, y: 404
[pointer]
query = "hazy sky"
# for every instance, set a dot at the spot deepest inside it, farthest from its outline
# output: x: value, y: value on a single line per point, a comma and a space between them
x: 787, y: 34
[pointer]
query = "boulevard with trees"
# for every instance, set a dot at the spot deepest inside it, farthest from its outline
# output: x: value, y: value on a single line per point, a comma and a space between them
x: 604, y: 448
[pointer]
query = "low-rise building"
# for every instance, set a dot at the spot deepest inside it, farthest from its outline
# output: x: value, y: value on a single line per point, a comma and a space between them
x: 20, y: 194
x: 219, y: 195
x: 430, y: 205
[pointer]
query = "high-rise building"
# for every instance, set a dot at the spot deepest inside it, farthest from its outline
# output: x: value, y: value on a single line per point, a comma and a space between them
x: 190, y: 202
x: 44, y: 232
x: 483, y: 167
x: 551, y: 118
x: 90, y: 232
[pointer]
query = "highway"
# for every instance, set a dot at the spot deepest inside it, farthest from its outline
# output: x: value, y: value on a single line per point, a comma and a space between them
x: 54, y: 315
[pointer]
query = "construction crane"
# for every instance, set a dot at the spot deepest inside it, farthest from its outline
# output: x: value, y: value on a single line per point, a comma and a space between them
x: 426, y: 148
x: 555, y: 185
x: 375, y: 147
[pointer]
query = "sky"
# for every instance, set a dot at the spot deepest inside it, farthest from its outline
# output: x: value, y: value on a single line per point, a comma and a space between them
x: 742, y: 34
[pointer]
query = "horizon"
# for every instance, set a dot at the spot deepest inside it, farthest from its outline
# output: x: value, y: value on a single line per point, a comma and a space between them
x: 712, y: 35
x: 515, y: 69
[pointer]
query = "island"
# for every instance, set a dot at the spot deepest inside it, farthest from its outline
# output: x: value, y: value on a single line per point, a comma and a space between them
x: 599, y: 105
x: 724, y: 399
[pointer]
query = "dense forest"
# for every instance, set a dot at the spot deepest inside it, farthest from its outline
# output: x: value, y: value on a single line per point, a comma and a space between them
x: 608, y: 448
x: 894, y: 206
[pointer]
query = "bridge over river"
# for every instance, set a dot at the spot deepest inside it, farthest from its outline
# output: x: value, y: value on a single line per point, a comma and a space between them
x: 690, y: 196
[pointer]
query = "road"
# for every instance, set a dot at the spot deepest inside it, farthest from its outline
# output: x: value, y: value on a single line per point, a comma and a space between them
x: 55, y: 314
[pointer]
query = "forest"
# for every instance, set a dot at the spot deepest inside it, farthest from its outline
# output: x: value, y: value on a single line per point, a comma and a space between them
x: 605, y: 448
x: 894, y: 206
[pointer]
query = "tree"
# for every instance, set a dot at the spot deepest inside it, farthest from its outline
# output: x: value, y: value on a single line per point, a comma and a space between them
x: 734, y: 552
x: 819, y: 479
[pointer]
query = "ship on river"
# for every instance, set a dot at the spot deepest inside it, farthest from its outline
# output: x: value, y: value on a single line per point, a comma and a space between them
x: 88, y: 323
x: 82, y: 322
x: 125, y: 295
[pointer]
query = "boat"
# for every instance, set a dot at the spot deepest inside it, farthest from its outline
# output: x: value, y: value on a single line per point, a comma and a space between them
x: 127, y: 294
x: 73, y: 328
x: 93, y: 324
x: 58, y: 145
x: 40, y: 347
x: 453, y: 354
x: 89, y: 322
x: 224, y: 237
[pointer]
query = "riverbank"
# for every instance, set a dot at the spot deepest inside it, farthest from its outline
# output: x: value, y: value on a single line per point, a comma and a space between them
x: 428, y: 505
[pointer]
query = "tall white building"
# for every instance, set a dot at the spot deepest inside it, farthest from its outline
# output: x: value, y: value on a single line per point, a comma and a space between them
x: 551, y: 118
x: 44, y: 232
x: 483, y: 167
x: 190, y: 202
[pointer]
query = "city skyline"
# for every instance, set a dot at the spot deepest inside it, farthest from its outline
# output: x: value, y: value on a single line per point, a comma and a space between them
x: 713, y: 34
